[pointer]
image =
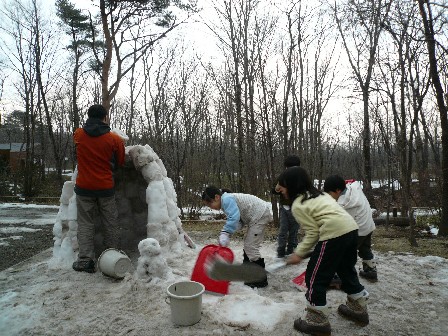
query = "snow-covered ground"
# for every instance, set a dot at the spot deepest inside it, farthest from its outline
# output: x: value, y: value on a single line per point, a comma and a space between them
x: 40, y: 297
x: 17, y: 218
x: 44, y: 296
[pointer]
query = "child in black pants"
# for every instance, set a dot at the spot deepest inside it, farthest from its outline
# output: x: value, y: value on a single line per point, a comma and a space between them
x: 288, y: 227
x: 351, y: 197
x: 333, y: 233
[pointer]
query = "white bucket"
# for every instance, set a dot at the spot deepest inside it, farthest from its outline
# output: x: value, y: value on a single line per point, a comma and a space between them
x: 114, y: 263
x: 186, y: 302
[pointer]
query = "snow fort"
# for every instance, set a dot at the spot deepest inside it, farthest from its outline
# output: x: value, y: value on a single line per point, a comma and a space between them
x: 146, y: 203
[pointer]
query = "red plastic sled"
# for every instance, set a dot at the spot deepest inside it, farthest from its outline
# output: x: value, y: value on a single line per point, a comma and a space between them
x: 299, y: 281
x: 199, y: 274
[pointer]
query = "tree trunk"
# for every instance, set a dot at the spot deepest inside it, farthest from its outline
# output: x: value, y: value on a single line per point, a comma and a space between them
x: 431, y: 45
x: 366, y: 138
x: 105, y: 70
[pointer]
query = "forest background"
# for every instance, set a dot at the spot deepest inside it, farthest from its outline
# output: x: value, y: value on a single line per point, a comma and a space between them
x: 223, y: 91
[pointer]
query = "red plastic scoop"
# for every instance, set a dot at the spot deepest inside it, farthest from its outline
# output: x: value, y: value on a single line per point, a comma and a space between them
x: 299, y: 281
x: 199, y: 272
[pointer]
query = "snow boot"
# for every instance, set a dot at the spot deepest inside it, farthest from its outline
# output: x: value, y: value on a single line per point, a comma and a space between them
x: 315, y: 321
x: 257, y: 284
x: 336, y: 282
x: 368, y: 270
x: 355, y: 308
x: 86, y: 265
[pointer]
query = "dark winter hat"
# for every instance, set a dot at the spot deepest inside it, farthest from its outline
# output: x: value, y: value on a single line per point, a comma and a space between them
x: 97, y: 112
x: 291, y: 161
x: 333, y: 183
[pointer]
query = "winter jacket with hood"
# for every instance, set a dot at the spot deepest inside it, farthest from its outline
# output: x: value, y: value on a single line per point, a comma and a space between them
x: 98, y: 152
x: 356, y: 204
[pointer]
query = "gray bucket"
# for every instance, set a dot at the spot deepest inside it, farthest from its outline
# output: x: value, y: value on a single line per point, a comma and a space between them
x: 186, y: 302
x: 114, y: 263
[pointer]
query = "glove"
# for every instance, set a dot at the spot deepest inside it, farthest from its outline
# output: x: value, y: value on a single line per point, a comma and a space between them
x: 224, y: 239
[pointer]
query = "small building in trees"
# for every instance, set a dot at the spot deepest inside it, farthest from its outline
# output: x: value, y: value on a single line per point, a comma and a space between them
x: 13, y: 155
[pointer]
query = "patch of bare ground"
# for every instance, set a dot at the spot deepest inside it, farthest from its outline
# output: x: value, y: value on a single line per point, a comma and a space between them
x: 395, y: 238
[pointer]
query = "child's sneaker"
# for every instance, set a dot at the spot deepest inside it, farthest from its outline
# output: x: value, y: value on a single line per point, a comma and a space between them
x: 84, y: 266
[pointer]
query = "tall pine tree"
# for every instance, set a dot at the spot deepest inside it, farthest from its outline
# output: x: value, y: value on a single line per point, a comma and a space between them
x: 77, y: 26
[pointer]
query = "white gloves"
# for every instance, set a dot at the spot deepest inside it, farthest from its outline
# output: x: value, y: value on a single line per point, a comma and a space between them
x: 224, y: 239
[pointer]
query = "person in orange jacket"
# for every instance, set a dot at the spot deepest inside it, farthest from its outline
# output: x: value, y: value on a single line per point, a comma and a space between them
x: 98, y: 152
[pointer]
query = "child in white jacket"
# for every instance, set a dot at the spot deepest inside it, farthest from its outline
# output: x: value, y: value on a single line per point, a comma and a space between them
x: 351, y: 197
x: 242, y: 210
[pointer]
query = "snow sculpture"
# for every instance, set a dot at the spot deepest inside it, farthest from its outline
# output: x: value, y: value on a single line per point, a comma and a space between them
x: 147, y: 208
x: 151, y: 266
x: 163, y: 221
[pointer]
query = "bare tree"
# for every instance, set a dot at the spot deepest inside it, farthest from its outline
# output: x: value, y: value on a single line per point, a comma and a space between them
x: 428, y: 25
x: 129, y: 33
x: 233, y: 43
x: 310, y: 61
x: 292, y: 56
x: 3, y: 77
x: 269, y: 83
x: 45, y: 55
x: 190, y: 104
x: 395, y: 66
x: 156, y: 97
x: 362, y: 21
x: 21, y: 58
